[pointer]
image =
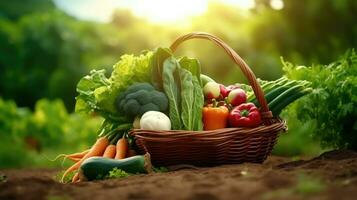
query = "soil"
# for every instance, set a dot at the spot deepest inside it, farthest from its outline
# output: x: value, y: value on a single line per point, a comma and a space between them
x: 332, y: 175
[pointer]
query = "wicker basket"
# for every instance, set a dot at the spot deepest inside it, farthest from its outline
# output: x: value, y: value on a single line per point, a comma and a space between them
x: 222, y: 146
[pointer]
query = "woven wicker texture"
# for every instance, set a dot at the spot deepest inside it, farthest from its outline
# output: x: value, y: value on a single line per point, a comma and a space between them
x: 222, y: 146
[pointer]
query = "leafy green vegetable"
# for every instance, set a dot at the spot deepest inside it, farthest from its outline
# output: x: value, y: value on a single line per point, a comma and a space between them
x: 157, y: 62
x: 97, y: 93
x: 191, y: 101
x: 86, y: 101
x: 332, y: 106
x: 171, y: 84
x: 195, y: 102
x: 193, y: 66
x: 197, y: 105
x: 187, y: 94
x: 128, y: 70
x: 182, y: 84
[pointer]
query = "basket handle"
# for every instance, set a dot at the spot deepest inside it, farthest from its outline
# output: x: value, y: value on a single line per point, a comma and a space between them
x: 266, y: 114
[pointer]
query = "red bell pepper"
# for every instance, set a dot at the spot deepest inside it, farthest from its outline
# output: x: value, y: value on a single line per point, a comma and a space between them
x: 245, y: 115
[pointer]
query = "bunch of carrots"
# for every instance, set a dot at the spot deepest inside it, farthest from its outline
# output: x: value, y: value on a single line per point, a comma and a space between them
x: 112, y: 145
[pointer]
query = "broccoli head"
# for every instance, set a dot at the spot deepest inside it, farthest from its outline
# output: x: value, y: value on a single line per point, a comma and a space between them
x: 140, y: 98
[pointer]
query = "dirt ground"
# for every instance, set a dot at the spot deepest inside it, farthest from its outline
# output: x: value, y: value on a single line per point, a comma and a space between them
x: 333, y: 175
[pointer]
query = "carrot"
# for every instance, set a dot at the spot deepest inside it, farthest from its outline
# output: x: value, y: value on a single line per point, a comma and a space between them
x: 74, y: 155
x: 74, y: 159
x: 122, y: 148
x: 75, y: 178
x: 97, y: 150
x: 78, y: 155
x: 110, y: 151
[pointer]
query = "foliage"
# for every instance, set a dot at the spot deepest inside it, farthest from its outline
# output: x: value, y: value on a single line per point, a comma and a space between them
x: 117, y: 173
x: 333, y: 103
x: 29, y: 138
x: 86, y: 99
x: 298, y: 140
x: 51, y: 51
x: 9, y: 10
x: 98, y: 93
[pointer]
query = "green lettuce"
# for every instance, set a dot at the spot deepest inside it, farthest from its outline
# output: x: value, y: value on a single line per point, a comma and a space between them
x: 97, y: 93
x: 86, y: 101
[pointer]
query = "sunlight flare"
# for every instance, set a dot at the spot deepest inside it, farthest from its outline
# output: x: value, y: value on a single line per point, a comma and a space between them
x: 156, y: 11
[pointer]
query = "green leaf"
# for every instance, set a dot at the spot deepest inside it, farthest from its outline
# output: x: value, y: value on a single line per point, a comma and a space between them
x: 187, y: 99
x: 171, y: 83
x: 97, y: 93
x: 159, y: 56
x: 117, y: 173
x: 198, y: 103
x: 192, y: 65
x: 130, y: 69
x: 85, y: 101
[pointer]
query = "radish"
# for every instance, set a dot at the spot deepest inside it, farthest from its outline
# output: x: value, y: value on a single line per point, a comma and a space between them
x: 237, y: 97
x: 211, y: 90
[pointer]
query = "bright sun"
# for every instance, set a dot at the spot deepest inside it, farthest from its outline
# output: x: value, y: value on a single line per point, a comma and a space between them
x: 157, y: 11
x: 164, y: 11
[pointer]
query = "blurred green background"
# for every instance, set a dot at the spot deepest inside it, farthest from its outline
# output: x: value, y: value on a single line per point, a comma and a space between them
x: 47, y: 46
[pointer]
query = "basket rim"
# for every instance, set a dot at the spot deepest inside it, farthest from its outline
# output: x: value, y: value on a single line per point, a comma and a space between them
x: 278, y: 125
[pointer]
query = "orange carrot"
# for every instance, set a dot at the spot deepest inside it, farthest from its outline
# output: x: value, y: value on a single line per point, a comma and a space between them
x: 97, y: 150
x: 74, y: 159
x: 122, y: 148
x: 74, y: 155
x: 78, y: 155
x: 75, y: 178
x: 110, y: 151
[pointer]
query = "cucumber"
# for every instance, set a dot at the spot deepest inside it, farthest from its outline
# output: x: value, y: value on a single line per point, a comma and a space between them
x: 269, y: 96
x: 95, y: 167
x: 269, y: 86
x: 272, y: 84
x: 278, y: 108
x: 291, y: 91
x: 205, y: 79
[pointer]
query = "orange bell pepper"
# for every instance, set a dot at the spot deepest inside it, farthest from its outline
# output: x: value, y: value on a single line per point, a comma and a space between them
x: 214, y: 117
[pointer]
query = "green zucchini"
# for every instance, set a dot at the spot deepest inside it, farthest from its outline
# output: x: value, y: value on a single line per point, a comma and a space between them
x: 285, y: 102
x: 95, y: 167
